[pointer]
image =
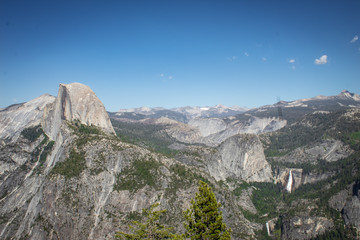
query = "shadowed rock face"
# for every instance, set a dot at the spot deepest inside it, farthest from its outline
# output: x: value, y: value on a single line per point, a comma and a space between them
x: 242, y: 157
x: 75, y: 101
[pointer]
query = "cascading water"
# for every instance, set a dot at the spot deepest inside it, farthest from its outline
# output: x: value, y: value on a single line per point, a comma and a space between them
x: 289, y: 182
x: 268, y: 228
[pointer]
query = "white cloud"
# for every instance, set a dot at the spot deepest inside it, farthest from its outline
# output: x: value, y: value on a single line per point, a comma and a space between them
x: 14, y: 100
x: 264, y: 59
x: 233, y: 58
x: 246, y: 54
x: 162, y: 75
x: 355, y: 38
x: 321, y: 60
x: 170, y: 77
x: 292, y: 61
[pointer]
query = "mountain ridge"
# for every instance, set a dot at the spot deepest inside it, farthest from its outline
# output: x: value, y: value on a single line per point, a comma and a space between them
x: 277, y: 171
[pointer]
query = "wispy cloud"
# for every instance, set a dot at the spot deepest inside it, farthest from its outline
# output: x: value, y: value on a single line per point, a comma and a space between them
x: 14, y: 100
x: 292, y: 62
x: 164, y: 77
x: 233, y: 58
x: 355, y: 38
x: 246, y: 54
x: 264, y: 59
x: 321, y: 60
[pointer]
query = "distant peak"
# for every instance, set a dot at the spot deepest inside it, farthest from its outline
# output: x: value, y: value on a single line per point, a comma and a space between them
x: 220, y: 106
x: 346, y: 93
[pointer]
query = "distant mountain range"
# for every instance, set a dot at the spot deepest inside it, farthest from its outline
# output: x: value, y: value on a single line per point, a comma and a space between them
x: 289, y: 110
x: 68, y: 170
x: 181, y: 114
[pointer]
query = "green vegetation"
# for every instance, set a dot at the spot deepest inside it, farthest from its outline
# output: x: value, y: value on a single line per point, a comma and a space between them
x: 266, y: 197
x: 353, y: 139
x: 43, y: 154
x: 183, y: 177
x: 151, y: 229
x: 313, y: 128
x: 239, y: 187
x: 272, y: 201
x: 80, y: 128
x: 345, y: 172
x: 339, y: 233
x: 204, y: 219
x: 85, y: 133
x: 32, y: 133
x: 153, y: 137
x: 139, y: 174
x: 46, y: 151
x: 72, y: 166
x: 88, y: 129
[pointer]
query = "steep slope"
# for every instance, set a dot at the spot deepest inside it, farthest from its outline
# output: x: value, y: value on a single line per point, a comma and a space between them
x: 78, y: 102
x: 241, y: 157
x: 17, y: 117
x: 83, y: 183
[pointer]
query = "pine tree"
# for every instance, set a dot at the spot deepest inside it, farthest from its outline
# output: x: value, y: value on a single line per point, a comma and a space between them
x: 204, y: 219
x: 151, y: 229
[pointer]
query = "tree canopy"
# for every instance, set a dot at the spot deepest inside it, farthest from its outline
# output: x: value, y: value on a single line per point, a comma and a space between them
x: 204, y: 219
x: 151, y: 229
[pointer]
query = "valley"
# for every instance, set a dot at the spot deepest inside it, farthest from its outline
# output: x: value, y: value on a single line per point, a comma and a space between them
x: 71, y: 170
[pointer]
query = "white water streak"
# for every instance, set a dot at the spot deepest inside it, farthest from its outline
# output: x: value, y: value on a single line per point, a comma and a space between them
x: 289, y: 182
x: 268, y: 228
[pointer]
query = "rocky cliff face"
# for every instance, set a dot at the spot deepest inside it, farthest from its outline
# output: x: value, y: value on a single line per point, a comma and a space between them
x: 327, y: 149
x: 86, y: 184
x: 17, y: 117
x: 305, y: 227
x: 78, y: 102
x: 241, y: 157
x: 208, y: 126
x: 75, y: 180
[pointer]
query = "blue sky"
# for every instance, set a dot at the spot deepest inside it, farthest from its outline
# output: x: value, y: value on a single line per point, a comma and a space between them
x: 177, y: 53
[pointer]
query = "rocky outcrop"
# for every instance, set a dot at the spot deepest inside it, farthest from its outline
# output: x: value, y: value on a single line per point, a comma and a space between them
x: 298, y: 177
x: 305, y: 227
x: 351, y: 212
x: 328, y: 149
x: 17, y: 117
x: 241, y: 157
x: 75, y: 101
x: 214, y: 131
x: 208, y: 126
x: 245, y: 200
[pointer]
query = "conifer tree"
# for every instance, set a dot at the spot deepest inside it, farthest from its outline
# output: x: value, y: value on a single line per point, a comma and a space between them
x: 204, y: 219
x: 151, y: 229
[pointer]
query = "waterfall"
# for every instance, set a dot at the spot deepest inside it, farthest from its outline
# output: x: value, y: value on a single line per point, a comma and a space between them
x: 268, y: 228
x: 289, y: 182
